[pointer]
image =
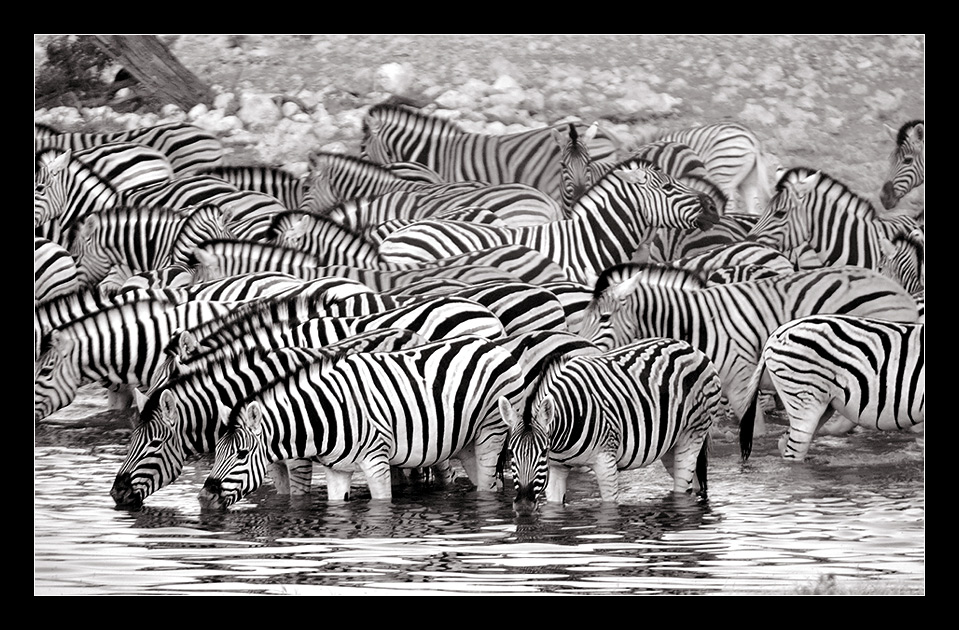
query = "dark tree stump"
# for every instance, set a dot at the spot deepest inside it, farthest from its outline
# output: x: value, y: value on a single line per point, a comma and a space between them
x: 156, y: 69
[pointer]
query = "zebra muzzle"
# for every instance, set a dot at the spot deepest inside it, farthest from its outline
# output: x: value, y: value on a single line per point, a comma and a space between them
x: 709, y: 215
x: 211, y: 495
x: 123, y: 494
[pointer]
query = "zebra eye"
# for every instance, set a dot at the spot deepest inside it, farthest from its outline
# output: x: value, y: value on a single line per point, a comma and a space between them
x: 242, y: 453
x: 908, y: 160
x: 41, y: 188
x: 156, y: 443
x: 604, y: 317
x: 668, y: 186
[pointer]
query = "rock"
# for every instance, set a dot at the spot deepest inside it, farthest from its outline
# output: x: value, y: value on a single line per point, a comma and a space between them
x: 258, y: 111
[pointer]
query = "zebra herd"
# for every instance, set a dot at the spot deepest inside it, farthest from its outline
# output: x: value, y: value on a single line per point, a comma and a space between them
x: 523, y: 303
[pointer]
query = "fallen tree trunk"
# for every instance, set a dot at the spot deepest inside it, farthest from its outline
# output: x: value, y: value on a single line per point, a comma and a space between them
x: 156, y: 69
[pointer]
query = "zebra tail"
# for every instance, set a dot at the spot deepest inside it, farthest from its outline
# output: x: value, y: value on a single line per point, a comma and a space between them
x: 702, y: 465
x: 746, y: 425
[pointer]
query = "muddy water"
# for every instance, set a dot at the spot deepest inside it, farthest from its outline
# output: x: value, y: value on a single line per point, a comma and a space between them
x: 851, y: 519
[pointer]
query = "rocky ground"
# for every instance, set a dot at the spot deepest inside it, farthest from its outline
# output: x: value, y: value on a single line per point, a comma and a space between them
x: 819, y: 101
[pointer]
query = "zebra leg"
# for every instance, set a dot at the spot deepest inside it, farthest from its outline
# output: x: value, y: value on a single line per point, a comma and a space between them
x: 280, y: 475
x: 338, y: 483
x: 443, y: 473
x: 377, y: 473
x: 795, y: 443
x: 300, y: 476
x: 480, y: 466
x: 681, y: 460
x: 556, y: 486
x: 607, y: 476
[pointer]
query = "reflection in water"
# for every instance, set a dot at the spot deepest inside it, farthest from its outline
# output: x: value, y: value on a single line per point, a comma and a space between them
x: 854, y: 513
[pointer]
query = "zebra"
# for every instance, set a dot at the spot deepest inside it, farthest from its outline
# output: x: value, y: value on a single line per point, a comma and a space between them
x: 187, y: 147
x: 283, y: 185
x: 179, y: 420
x: 871, y: 371
x: 336, y: 178
x: 652, y: 400
x: 54, y: 271
x: 730, y: 322
x: 812, y: 209
x: 141, y: 238
x: 117, y: 345
x: 907, y: 164
x: 369, y: 411
x: 516, y: 204
x: 126, y: 165
x: 734, y: 159
x: 904, y: 259
x: 579, y: 171
x: 394, y: 133
x: 607, y: 225
x: 747, y: 256
x: 668, y: 244
x: 302, y: 320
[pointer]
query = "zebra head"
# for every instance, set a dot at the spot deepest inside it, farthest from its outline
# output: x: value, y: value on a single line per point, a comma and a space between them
x: 241, y: 462
x: 667, y: 202
x: 784, y: 225
x: 56, y: 375
x: 574, y: 158
x: 907, y: 164
x: 50, y: 193
x: 612, y: 318
x: 528, y: 445
x: 156, y: 455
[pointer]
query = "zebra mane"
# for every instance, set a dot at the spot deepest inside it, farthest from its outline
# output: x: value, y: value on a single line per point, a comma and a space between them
x: 865, y: 207
x: 380, y: 109
x: 45, y: 128
x: 353, y: 161
x: 905, y: 129
x: 653, y: 273
x: 281, y: 220
x: 548, y: 367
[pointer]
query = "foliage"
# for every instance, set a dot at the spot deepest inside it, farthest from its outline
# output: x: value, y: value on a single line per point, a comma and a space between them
x: 72, y: 72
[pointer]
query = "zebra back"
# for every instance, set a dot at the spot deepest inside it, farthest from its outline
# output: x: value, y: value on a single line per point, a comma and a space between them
x: 422, y: 391
x: 734, y: 158
x: 337, y: 178
x: 180, y: 419
x: 142, y: 238
x: 116, y: 345
x: 286, y: 187
x: 811, y: 209
x: 327, y: 241
x: 396, y: 133
x: 871, y: 371
x: 54, y: 271
x: 730, y: 322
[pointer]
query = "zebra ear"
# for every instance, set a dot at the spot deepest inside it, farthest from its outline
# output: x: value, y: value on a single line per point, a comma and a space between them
x: 806, y: 184
x: 591, y: 132
x: 507, y: 412
x: 893, y: 133
x: 625, y: 288
x: 252, y: 417
x: 60, y: 343
x: 187, y: 345
x: 560, y: 140
x: 886, y: 247
x: 545, y: 413
x: 636, y: 176
x: 139, y: 399
x: 60, y: 162
x: 919, y: 132
x: 168, y: 407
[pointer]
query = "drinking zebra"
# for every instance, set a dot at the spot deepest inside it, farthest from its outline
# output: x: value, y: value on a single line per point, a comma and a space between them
x: 731, y: 322
x: 179, y: 420
x: 907, y: 164
x: 872, y: 372
x: 368, y: 411
x: 117, y: 345
x: 652, y: 400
